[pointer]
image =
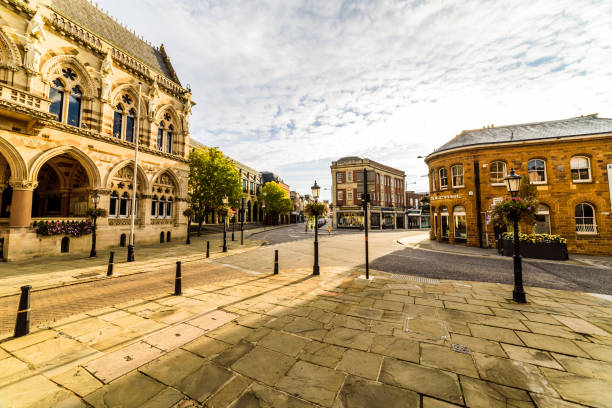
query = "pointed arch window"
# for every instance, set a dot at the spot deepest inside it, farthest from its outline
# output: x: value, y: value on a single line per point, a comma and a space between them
x: 112, y: 210
x: 162, y: 207
x: 118, y: 121
x: 169, y: 136
x: 160, y: 136
x: 74, y: 106
x: 56, y: 94
x: 169, y: 207
x: 123, y: 205
x: 154, y: 206
x: 129, y: 126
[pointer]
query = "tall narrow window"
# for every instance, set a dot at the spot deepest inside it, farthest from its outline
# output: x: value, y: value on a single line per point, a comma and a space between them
x: 56, y: 94
x: 117, y: 121
x: 169, y: 207
x: 112, y: 210
x: 460, y: 223
x: 542, y: 220
x: 443, y: 178
x: 169, y: 138
x: 581, y: 169
x: 74, y: 106
x: 497, y: 172
x: 123, y: 205
x: 129, y: 126
x: 444, y: 221
x: 154, y: 206
x: 162, y: 207
x: 585, y: 219
x: 537, y: 171
x: 160, y: 136
x: 457, y: 173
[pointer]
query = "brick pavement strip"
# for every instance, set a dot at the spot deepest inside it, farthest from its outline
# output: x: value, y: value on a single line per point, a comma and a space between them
x: 292, y: 340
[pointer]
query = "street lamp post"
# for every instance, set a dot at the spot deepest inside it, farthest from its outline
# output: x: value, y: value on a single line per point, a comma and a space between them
x: 233, y: 225
x: 315, y: 193
x: 242, y: 200
x: 513, y: 183
x: 263, y: 206
x: 95, y: 199
x: 225, y: 201
x: 366, y: 200
x: 331, y: 214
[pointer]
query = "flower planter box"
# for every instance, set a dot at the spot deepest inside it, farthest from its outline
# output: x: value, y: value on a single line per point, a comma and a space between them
x: 538, y: 250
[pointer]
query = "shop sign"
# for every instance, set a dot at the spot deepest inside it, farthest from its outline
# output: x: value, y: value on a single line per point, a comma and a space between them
x: 347, y: 208
x: 446, y: 197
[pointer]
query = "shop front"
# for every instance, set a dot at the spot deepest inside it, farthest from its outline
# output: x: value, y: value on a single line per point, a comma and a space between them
x: 444, y: 224
x: 352, y: 218
x: 460, y: 223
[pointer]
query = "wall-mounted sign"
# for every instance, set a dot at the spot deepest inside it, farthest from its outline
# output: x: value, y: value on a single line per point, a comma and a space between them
x: 610, y: 181
x: 446, y: 197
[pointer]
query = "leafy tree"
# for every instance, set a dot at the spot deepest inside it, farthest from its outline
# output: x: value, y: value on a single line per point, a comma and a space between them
x: 528, y: 190
x: 212, y: 175
x: 276, y: 198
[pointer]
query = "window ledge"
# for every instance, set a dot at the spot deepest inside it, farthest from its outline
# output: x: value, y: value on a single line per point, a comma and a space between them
x: 582, y: 181
x: 587, y: 233
x: 539, y: 182
x: 461, y: 186
x: 498, y: 184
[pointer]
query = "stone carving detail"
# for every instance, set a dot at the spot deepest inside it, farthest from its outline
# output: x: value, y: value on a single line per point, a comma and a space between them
x: 106, y: 72
x: 23, y: 184
x: 125, y: 173
x: 153, y: 94
x: 36, y: 27
x: 33, y: 51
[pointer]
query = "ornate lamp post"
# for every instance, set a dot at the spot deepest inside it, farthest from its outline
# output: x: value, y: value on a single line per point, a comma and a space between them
x: 188, y: 213
x: 263, y: 206
x: 331, y: 214
x: 225, y: 201
x: 96, y: 200
x: 315, y: 193
x: 513, y: 183
x: 366, y: 200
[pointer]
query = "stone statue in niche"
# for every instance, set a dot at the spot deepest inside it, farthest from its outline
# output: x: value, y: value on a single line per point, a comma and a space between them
x: 106, y: 72
x: 153, y: 94
x: 33, y: 53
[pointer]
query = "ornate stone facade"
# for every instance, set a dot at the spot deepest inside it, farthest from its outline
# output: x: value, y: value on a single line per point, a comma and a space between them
x: 76, y: 88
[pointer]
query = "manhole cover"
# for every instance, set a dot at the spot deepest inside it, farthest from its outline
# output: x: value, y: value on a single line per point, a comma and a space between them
x: 458, y: 348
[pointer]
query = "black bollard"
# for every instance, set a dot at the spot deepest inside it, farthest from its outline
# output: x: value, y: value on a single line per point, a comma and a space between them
x: 208, y: 249
x: 276, y: 261
x: 22, y: 326
x: 177, y: 280
x: 111, y: 264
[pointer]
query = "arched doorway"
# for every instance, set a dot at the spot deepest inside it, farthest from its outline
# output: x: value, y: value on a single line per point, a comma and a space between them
x: 64, y: 188
x: 6, y: 191
x: 255, y: 212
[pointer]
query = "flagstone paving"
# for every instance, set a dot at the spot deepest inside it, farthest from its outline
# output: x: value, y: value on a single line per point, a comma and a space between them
x: 336, y: 341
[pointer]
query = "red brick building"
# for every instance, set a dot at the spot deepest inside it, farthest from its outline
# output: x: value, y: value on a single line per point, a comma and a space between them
x: 569, y: 161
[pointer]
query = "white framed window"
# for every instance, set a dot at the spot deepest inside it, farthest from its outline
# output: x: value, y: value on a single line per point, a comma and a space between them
x: 114, y: 201
x: 339, y: 177
x: 497, y: 172
x: 542, y: 219
x: 161, y: 207
x: 584, y: 214
x: 434, y: 184
x: 340, y: 195
x: 349, y: 177
x: 536, y: 169
x: 154, y: 202
x: 349, y: 196
x: 124, y: 205
x: 169, y: 207
x: 581, y: 169
x: 457, y: 173
x: 443, y: 178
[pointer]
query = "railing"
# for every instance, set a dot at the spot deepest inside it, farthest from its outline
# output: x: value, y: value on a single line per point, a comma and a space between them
x: 20, y: 97
x: 586, y: 228
x: 60, y: 219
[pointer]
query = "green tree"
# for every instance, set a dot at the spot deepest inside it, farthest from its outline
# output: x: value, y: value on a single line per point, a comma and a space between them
x: 528, y: 190
x: 212, y: 175
x: 276, y: 198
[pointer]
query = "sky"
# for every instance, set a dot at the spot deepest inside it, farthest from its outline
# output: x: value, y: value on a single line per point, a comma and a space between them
x: 291, y: 85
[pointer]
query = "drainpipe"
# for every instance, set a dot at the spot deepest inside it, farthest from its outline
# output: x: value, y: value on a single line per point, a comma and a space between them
x: 478, y: 203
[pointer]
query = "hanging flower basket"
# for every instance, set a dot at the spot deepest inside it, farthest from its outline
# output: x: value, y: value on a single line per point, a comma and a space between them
x: 523, y: 209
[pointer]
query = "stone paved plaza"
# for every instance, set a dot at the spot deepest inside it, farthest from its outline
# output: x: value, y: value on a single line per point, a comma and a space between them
x: 337, y: 340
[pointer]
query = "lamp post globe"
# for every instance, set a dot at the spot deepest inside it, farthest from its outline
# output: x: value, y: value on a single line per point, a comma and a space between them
x: 513, y: 184
x: 95, y: 199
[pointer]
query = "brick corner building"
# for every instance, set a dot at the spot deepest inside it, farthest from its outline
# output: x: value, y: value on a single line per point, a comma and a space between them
x: 569, y: 161
x: 386, y: 188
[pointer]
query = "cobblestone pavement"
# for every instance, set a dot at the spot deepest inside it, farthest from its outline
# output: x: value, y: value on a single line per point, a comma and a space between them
x: 336, y: 340
x: 57, y: 303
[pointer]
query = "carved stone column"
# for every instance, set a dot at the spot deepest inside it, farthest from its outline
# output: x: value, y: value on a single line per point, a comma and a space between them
x: 21, y: 203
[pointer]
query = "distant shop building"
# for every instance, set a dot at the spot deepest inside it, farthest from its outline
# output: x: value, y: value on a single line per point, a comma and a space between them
x: 386, y: 189
x: 569, y: 161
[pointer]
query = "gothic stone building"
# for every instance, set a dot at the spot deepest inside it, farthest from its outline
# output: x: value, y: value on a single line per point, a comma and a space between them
x: 69, y: 114
x: 569, y: 161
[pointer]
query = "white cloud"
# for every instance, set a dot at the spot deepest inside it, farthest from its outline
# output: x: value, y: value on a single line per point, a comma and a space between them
x: 290, y: 85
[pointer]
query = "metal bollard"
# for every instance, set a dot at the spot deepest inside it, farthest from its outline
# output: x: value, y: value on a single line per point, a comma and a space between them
x: 177, y: 280
x: 208, y: 249
x: 22, y: 326
x: 111, y: 264
x: 276, y: 261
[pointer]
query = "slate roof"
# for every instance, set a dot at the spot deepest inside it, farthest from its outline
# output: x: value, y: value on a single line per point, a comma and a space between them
x: 582, y: 125
x: 95, y: 20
